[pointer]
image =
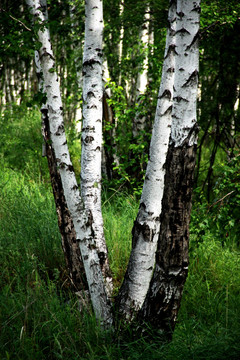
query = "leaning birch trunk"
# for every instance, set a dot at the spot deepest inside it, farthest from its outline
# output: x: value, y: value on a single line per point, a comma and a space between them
x: 82, y: 220
x: 68, y: 235
x: 70, y: 247
x: 163, y: 300
x: 146, y: 227
x: 92, y: 129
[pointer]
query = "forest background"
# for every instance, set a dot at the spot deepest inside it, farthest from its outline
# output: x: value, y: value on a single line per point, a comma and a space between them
x: 39, y: 313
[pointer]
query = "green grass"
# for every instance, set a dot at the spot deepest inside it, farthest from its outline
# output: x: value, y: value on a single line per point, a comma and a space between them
x: 40, y: 318
x: 119, y: 212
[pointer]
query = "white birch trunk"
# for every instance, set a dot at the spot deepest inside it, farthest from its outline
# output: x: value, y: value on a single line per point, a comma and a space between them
x: 162, y: 303
x: 78, y: 115
x: 81, y: 219
x: 147, y: 224
x: 142, y: 78
x: 120, y: 45
x: 186, y: 81
x: 92, y: 128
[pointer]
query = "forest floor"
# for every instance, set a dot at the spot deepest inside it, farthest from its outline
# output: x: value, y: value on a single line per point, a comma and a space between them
x: 39, y: 314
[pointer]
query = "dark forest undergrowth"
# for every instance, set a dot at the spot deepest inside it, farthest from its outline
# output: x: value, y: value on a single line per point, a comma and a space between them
x: 39, y: 312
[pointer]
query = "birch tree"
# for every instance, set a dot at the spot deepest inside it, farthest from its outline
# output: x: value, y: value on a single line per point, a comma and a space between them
x: 163, y: 299
x: 146, y: 227
x: 82, y: 219
x: 92, y: 128
x: 145, y: 36
x: 158, y: 263
x: 166, y: 196
x: 68, y: 235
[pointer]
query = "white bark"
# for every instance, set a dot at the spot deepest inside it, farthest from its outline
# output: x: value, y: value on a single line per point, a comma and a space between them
x: 147, y: 224
x: 172, y: 252
x: 74, y: 23
x: 120, y: 45
x: 92, y: 128
x: 142, y: 78
x: 185, y: 84
x: 144, y: 35
x: 80, y: 217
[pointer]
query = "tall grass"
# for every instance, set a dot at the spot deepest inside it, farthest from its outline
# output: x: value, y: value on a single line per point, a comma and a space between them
x: 40, y: 317
x: 119, y: 212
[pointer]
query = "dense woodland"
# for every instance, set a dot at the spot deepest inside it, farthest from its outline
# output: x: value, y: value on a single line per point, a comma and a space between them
x: 40, y: 316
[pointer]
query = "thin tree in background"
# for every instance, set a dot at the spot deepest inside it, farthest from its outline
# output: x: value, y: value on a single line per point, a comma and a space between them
x: 146, y: 36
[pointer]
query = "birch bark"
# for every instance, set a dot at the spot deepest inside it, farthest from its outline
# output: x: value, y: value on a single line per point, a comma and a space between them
x: 146, y: 227
x: 163, y: 299
x: 82, y: 219
x: 68, y: 235
x: 120, y: 45
x: 139, y: 121
x: 92, y: 129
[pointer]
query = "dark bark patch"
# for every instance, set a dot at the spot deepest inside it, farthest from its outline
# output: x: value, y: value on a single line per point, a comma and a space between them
x: 144, y: 230
x: 182, y: 31
x: 70, y: 168
x: 180, y: 14
x: 193, y: 78
x: 171, y: 49
x: 88, y: 128
x: 179, y: 99
x: 91, y: 62
x: 59, y: 130
x: 197, y: 9
x: 167, y: 94
x: 168, y: 111
x: 194, y: 41
x: 90, y: 94
x: 163, y: 299
x: 88, y: 139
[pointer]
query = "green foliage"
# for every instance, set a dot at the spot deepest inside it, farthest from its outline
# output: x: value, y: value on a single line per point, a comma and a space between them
x: 132, y: 154
x: 225, y: 210
x: 221, y: 217
x: 21, y: 140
